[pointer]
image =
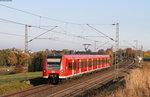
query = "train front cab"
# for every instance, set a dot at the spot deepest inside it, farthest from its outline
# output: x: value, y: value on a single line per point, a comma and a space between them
x: 52, y: 68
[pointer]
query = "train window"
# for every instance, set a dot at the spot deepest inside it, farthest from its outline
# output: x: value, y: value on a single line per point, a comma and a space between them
x: 98, y: 62
x: 90, y: 63
x: 80, y: 65
x: 95, y: 62
x: 72, y: 66
x: 85, y: 63
x: 53, y: 62
x: 103, y: 61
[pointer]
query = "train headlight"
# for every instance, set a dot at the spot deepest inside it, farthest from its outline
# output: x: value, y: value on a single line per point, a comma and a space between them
x: 44, y: 70
x: 62, y: 71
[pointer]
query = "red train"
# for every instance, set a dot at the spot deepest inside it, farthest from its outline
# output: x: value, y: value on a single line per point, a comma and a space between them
x: 67, y: 66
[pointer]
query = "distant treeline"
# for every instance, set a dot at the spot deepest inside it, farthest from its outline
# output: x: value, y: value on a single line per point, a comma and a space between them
x: 11, y: 57
x: 15, y: 58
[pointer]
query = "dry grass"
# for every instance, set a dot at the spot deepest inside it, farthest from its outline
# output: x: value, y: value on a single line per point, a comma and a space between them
x: 6, y: 69
x: 137, y: 83
x: 12, y: 87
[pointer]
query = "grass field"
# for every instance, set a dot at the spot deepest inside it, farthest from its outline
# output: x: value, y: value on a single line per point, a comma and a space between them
x: 19, y: 76
x: 146, y: 57
x: 13, y: 86
x: 15, y: 82
x: 4, y: 76
x: 137, y: 83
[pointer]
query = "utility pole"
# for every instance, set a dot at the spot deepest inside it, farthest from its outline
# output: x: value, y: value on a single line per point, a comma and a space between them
x: 86, y: 46
x: 26, y: 50
x: 117, y: 48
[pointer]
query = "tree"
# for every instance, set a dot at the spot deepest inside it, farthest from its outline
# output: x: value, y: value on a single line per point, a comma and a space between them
x: 38, y: 60
x: 3, y: 57
x: 101, y: 51
x: 21, y: 58
x: 12, y: 59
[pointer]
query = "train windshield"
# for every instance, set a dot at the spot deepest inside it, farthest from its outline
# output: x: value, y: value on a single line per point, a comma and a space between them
x: 53, y: 62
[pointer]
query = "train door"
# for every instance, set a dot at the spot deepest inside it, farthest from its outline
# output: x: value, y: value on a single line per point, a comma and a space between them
x: 89, y: 64
x: 79, y: 65
x: 82, y: 65
x: 87, y: 67
x: 100, y: 62
x: 94, y: 63
x: 103, y: 62
x: 76, y: 63
x: 69, y: 64
x: 73, y: 67
x: 97, y: 62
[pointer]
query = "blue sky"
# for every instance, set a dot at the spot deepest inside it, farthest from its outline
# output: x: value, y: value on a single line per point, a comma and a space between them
x: 132, y: 15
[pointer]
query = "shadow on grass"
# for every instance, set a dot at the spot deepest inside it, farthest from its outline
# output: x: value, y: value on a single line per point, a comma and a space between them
x: 38, y: 81
x: 105, y: 90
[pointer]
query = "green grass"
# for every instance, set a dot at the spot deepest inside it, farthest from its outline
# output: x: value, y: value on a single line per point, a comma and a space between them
x: 146, y: 57
x: 20, y: 75
x: 2, y: 81
x: 15, y: 82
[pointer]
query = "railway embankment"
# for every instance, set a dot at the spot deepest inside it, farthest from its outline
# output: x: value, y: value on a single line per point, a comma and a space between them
x: 135, y: 84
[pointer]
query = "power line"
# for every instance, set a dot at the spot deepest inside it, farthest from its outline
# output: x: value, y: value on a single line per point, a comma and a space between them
x: 72, y: 35
x: 81, y: 37
x: 40, y: 16
x: 5, y: 33
x: 10, y: 34
x: 42, y: 34
x: 50, y: 38
x: 101, y: 32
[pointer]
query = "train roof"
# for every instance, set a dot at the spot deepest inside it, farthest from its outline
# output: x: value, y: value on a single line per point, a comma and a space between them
x: 78, y: 56
x: 84, y: 56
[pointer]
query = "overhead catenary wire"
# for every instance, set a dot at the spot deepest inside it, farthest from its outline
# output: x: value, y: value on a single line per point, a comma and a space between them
x: 40, y: 16
x: 101, y: 32
x: 23, y: 24
x: 42, y: 34
x: 48, y: 38
x: 66, y: 33
x: 102, y: 45
x: 33, y: 26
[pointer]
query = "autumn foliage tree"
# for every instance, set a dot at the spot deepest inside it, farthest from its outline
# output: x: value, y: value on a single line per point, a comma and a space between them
x: 12, y: 59
x: 3, y: 57
x: 21, y: 58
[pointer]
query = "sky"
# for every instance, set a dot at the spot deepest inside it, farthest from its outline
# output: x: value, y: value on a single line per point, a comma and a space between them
x: 71, y: 18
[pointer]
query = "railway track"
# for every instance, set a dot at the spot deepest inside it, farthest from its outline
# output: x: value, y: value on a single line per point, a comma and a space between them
x: 88, y: 84
x: 71, y: 87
